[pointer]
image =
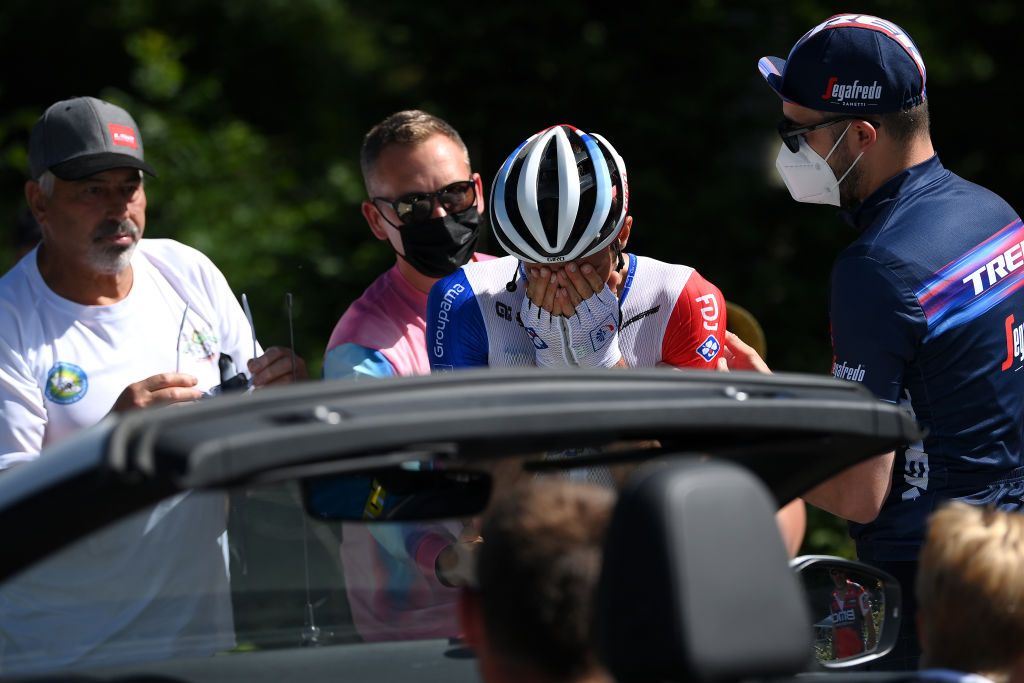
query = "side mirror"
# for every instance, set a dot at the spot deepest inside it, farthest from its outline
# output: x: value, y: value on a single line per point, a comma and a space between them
x: 396, y: 494
x: 855, y: 609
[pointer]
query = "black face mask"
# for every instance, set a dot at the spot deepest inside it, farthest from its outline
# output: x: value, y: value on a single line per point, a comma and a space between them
x: 440, y: 246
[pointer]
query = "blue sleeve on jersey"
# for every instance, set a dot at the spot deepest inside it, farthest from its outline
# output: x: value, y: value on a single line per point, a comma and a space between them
x: 456, y: 335
x: 354, y: 361
x: 877, y: 325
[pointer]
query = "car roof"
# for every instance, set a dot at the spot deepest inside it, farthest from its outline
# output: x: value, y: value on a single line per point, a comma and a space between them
x: 779, y: 426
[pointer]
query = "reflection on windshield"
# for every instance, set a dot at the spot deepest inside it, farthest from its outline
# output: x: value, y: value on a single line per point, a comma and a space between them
x: 393, y: 583
x: 153, y: 586
x: 248, y: 569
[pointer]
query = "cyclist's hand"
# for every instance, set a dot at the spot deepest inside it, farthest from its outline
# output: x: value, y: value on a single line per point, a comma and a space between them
x: 546, y: 290
x: 738, y: 355
x: 542, y: 288
x: 580, y: 282
x: 547, y: 332
x: 594, y: 330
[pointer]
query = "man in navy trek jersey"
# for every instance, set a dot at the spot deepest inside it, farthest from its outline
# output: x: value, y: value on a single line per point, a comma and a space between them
x: 926, y: 303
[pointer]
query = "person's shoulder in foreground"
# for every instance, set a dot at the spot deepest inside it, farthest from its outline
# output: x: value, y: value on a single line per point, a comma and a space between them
x: 970, y: 592
x: 529, y: 616
x: 569, y: 295
x: 425, y: 201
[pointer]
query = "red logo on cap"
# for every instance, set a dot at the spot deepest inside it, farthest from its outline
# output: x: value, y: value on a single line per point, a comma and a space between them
x: 123, y: 135
x: 827, y: 95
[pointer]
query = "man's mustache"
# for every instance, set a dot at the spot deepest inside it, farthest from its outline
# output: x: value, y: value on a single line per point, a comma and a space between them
x: 113, y: 228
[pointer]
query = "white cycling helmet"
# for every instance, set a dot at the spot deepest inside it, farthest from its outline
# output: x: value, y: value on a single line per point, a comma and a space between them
x: 561, y: 195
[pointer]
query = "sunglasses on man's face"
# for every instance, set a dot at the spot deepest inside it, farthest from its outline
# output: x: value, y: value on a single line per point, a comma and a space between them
x: 790, y: 132
x: 416, y: 207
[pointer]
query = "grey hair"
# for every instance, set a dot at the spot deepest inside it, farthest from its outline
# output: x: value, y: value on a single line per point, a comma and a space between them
x: 46, y: 181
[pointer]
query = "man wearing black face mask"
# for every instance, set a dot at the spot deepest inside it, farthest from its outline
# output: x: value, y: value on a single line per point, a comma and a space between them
x: 425, y: 201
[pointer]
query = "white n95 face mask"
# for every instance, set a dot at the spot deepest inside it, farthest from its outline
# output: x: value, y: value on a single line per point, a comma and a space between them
x: 808, y: 177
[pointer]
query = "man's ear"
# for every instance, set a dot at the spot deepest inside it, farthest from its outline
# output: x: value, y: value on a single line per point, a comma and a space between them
x: 374, y: 220
x: 479, y: 193
x: 471, y: 618
x: 864, y: 134
x: 36, y: 199
x: 623, y: 236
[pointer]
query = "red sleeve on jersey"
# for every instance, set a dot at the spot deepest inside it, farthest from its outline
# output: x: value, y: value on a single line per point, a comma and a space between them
x: 696, y: 329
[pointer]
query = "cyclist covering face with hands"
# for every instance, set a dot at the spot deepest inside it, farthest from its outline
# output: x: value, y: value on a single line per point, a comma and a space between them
x: 560, y: 206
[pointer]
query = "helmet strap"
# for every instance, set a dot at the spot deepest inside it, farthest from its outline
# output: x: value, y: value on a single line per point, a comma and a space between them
x: 618, y: 253
x: 511, y: 286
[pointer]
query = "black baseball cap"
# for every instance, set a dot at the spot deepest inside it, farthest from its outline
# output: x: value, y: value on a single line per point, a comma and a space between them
x: 83, y: 136
x: 850, y: 64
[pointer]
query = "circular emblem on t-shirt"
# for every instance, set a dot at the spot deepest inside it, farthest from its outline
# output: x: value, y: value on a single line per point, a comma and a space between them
x: 66, y: 383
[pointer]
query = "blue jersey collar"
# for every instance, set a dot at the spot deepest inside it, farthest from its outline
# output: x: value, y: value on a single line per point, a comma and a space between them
x: 903, y: 183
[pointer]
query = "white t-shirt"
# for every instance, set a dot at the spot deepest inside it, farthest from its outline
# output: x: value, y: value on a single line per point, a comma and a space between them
x: 154, y: 585
x: 62, y: 364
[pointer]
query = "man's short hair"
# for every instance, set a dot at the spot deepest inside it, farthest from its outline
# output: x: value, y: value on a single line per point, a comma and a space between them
x: 537, y: 572
x: 970, y: 590
x: 410, y: 127
x: 904, y: 126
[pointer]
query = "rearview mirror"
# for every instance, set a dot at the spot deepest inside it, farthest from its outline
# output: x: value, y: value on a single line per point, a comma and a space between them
x: 396, y: 494
x: 855, y: 609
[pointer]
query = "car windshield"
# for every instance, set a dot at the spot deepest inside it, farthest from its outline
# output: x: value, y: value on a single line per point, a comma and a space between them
x: 253, y: 568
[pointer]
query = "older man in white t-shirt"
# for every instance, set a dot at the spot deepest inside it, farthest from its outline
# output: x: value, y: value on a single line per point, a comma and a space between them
x: 96, y: 320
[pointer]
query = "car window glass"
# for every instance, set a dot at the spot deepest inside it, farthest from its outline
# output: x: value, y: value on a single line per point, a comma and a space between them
x: 247, y: 569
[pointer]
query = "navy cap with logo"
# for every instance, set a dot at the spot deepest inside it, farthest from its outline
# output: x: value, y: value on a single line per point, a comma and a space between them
x: 850, y: 64
x: 83, y: 136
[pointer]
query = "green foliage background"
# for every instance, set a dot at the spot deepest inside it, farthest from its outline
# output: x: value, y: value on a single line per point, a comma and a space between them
x: 253, y: 112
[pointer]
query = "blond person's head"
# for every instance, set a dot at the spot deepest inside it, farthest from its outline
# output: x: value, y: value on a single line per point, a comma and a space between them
x: 970, y: 591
